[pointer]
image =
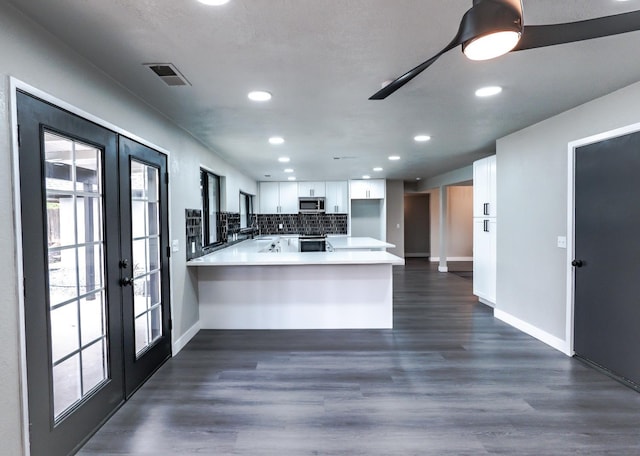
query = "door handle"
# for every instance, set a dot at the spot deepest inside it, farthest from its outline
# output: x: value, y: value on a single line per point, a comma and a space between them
x: 577, y: 263
x: 126, y: 281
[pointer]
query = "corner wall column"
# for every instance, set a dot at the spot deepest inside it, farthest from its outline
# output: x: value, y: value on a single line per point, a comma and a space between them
x: 442, y: 266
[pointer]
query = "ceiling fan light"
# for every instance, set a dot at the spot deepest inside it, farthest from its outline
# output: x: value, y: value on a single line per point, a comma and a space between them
x: 491, y: 45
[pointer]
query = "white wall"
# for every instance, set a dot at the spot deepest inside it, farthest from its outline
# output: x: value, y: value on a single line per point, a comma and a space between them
x: 532, y: 170
x: 33, y: 56
x: 395, y: 216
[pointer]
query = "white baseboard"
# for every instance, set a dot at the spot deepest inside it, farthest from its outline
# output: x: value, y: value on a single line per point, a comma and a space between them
x: 185, y: 338
x: 486, y: 302
x: 443, y: 269
x: 542, y: 336
x: 416, y: 255
x: 437, y: 259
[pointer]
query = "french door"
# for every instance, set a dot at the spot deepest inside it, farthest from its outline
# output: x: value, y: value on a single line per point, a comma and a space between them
x: 94, y: 236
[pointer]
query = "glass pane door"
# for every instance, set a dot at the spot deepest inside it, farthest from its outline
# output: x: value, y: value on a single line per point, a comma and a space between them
x: 147, y: 277
x: 75, y: 246
x: 145, y: 274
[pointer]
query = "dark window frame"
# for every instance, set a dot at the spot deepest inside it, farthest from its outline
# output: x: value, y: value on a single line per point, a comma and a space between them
x: 206, y: 209
x: 246, y: 200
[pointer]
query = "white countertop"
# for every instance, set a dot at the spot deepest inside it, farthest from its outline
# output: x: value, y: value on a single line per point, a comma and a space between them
x: 247, y: 253
x: 347, y: 242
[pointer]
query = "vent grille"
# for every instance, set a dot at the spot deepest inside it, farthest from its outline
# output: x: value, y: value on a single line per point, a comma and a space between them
x: 168, y: 73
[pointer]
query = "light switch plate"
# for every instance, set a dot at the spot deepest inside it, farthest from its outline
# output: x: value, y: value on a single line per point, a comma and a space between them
x: 562, y: 242
x: 175, y: 245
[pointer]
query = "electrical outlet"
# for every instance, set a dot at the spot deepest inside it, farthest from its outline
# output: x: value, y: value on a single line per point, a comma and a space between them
x: 280, y: 226
x: 562, y: 242
x: 193, y: 247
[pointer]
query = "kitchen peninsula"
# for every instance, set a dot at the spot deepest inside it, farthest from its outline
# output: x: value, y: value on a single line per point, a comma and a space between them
x: 267, y: 284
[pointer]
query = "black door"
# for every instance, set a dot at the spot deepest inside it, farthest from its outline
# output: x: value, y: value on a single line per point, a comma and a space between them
x: 145, y: 263
x: 73, y: 308
x: 607, y: 251
x: 95, y: 246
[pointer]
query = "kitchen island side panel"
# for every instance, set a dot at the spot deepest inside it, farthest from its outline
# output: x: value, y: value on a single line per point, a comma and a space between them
x: 296, y: 297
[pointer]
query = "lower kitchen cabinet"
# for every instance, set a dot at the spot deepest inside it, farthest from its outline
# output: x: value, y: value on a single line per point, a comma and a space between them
x: 484, y: 259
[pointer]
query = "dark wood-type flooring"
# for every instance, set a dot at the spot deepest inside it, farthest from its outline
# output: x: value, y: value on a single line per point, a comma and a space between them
x: 448, y: 380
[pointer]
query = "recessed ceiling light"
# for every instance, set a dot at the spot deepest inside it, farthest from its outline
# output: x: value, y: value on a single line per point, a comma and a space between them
x: 284, y: 159
x: 394, y: 158
x: 288, y: 170
x: 276, y: 140
x: 259, y: 95
x: 214, y: 2
x: 377, y: 169
x: 291, y: 178
x: 418, y: 178
x: 366, y: 176
x: 488, y: 91
x: 421, y: 138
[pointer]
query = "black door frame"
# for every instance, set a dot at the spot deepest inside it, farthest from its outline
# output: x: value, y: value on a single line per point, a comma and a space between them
x: 16, y: 86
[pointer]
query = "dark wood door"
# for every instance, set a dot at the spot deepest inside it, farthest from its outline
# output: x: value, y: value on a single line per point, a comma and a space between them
x: 70, y: 246
x: 607, y: 251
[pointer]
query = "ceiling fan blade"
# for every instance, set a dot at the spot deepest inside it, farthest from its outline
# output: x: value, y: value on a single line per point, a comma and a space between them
x: 537, y: 36
x: 409, y: 75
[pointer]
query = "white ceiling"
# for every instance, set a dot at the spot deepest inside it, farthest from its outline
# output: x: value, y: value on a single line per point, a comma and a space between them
x: 322, y: 59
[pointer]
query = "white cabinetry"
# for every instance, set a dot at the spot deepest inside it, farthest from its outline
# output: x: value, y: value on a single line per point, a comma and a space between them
x: 278, y: 197
x: 485, y: 226
x: 337, y: 197
x: 484, y: 259
x: 311, y: 189
x: 367, y: 189
x: 484, y: 188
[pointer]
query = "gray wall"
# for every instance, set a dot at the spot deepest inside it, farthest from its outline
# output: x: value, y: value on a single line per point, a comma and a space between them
x: 40, y: 60
x: 532, y: 168
x: 417, y: 224
x: 395, y: 216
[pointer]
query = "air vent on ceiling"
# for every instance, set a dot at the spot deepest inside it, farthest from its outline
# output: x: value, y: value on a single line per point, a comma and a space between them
x: 168, y: 73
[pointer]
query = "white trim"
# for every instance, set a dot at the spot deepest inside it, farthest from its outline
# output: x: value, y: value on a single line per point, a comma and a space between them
x: 571, y: 160
x: 533, y: 331
x: 486, y: 302
x: 189, y: 334
x: 443, y: 269
x: 17, y: 220
x: 437, y: 259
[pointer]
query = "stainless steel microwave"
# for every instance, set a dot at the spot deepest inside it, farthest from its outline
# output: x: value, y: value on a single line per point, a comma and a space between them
x: 311, y: 205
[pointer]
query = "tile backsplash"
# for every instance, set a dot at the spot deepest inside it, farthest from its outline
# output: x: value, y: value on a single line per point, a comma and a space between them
x: 193, y: 221
x: 302, y: 223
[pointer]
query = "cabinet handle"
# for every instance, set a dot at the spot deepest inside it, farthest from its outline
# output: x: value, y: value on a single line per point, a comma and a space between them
x: 311, y: 192
x: 336, y: 209
x: 485, y: 209
x: 486, y: 226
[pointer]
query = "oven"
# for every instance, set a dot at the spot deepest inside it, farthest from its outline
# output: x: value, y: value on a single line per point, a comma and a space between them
x: 312, y: 243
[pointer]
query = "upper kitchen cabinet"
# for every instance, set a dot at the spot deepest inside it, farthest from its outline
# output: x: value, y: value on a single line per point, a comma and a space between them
x: 367, y: 189
x: 311, y: 189
x: 278, y: 197
x: 337, y: 197
x: 484, y: 187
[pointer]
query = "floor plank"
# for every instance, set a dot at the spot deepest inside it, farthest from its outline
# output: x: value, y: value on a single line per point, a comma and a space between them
x: 448, y: 380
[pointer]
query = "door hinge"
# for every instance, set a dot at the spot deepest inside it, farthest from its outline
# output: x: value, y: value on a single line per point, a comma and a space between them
x: 24, y: 287
x: 168, y: 251
x: 166, y: 178
x: 170, y: 324
x: 19, y: 140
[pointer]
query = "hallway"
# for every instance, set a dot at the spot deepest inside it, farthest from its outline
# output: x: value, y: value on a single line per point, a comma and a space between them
x: 448, y: 380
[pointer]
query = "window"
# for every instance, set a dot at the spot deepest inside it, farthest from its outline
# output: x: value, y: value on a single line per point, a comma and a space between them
x: 210, y: 185
x: 246, y: 210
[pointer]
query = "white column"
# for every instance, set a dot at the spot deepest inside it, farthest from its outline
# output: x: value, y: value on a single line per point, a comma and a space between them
x: 442, y: 266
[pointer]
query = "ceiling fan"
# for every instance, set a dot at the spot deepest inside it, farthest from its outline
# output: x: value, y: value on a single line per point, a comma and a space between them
x: 495, y: 27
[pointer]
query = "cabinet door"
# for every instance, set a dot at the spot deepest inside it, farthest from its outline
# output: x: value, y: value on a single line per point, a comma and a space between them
x: 311, y: 189
x: 358, y: 189
x: 480, y: 188
x: 492, y: 192
x: 289, y: 198
x: 269, y: 197
x: 337, y: 197
x: 484, y: 258
x: 376, y: 189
